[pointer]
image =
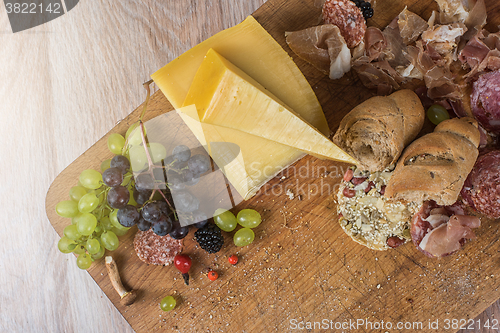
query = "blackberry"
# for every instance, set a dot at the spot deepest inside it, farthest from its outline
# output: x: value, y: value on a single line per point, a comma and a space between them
x: 365, y: 7
x: 210, y: 238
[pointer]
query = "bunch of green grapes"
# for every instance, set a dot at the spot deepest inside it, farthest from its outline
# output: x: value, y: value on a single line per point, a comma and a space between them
x: 94, y: 205
x: 247, y: 218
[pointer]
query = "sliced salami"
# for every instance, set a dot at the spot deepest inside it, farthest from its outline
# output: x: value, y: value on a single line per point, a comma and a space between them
x: 485, y: 100
x: 349, y: 18
x: 154, y: 249
x: 482, y: 187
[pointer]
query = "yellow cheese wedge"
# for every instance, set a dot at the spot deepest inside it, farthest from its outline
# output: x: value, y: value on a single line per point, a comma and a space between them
x: 246, y: 160
x: 249, y: 47
x: 226, y: 96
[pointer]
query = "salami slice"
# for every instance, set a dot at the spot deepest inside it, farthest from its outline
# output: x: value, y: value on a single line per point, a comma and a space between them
x: 154, y: 249
x: 349, y: 18
x: 485, y: 100
x: 482, y: 187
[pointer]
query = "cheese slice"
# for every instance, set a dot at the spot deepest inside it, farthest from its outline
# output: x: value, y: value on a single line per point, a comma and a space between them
x: 246, y: 160
x: 249, y: 47
x: 226, y: 96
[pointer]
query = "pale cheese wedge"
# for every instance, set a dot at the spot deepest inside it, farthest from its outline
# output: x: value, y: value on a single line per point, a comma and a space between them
x: 249, y: 47
x: 246, y: 160
x: 226, y: 96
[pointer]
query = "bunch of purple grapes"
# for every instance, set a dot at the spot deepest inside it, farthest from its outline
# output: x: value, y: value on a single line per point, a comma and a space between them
x: 170, y: 179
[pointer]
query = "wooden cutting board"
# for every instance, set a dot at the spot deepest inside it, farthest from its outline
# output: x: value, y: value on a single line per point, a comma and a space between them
x: 301, y: 266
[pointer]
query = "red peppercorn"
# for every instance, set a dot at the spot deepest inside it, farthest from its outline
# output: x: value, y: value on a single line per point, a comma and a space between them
x: 183, y: 263
x: 233, y: 260
x: 212, y: 275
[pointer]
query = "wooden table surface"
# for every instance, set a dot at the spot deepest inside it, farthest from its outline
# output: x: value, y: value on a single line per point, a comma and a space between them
x: 63, y: 85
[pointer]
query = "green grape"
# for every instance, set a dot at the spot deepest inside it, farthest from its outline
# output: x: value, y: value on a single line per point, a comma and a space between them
x: 91, y: 179
x: 138, y: 158
x: 116, y: 143
x: 437, y: 113
x: 105, y: 165
x: 225, y: 220
x: 120, y: 232
x: 98, y: 229
x: 106, y: 223
x: 93, y: 246
x: 67, y: 208
x: 134, y: 135
x: 249, y: 218
x: 157, y: 151
x: 99, y: 195
x: 109, y: 240
x: 84, y: 261
x: 168, y: 303
x: 100, y: 253
x: 126, y: 180
x: 86, y: 224
x: 243, y: 237
x: 88, y: 203
x: 64, y: 245
x: 77, y: 192
x: 79, y: 249
x: 131, y: 200
x: 71, y: 232
x: 131, y: 129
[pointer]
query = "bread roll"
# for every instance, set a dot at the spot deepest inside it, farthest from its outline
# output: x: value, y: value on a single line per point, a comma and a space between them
x: 435, y: 166
x: 376, y: 131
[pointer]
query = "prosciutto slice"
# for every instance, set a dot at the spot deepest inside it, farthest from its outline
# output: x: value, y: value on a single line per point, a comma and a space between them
x: 323, y: 47
x: 448, y: 237
x: 439, y: 231
x: 438, y: 77
x: 411, y: 26
x: 481, y: 54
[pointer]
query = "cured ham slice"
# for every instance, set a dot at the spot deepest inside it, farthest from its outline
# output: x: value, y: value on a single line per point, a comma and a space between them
x: 439, y: 231
x: 323, y: 47
x: 447, y: 238
x: 411, y: 26
x: 481, y: 54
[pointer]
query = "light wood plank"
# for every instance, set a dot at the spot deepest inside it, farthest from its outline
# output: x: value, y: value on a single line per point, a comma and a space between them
x: 63, y: 85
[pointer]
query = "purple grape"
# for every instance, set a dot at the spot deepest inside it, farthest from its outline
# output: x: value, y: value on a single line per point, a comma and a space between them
x: 175, y: 181
x: 151, y: 212
x: 185, y: 202
x: 112, y: 177
x: 141, y: 196
x: 120, y: 162
x: 128, y: 216
x: 173, y: 163
x: 163, y: 206
x: 144, y: 182
x: 189, y: 177
x: 162, y: 226
x: 181, y: 153
x: 118, y: 197
x: 178, y: 232
x: 143, y: 225
x: 199, y: 164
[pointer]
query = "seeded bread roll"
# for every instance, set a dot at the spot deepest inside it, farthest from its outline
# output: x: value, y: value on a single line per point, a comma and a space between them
x: 376, y: 131
x: 435, y: 166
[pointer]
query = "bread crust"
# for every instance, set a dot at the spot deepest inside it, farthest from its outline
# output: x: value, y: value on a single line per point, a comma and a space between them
x: 376, y: 131
x: 435, y: 166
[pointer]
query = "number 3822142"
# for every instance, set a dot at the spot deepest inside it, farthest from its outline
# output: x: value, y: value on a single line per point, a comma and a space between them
x: 33, y: 8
